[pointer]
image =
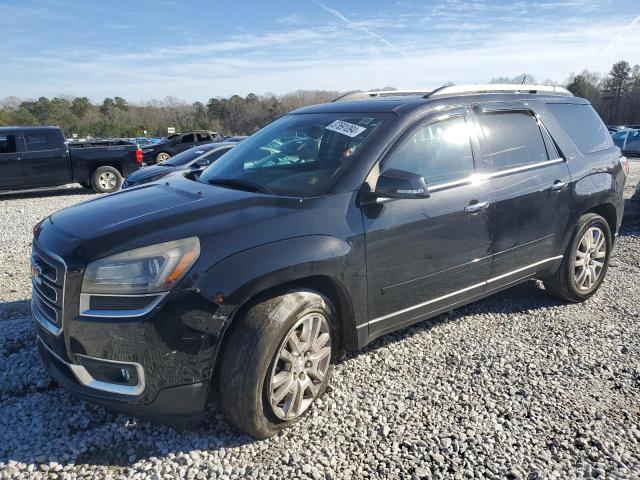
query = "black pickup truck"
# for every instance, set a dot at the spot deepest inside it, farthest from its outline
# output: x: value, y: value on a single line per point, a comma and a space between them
x: 38, y: 157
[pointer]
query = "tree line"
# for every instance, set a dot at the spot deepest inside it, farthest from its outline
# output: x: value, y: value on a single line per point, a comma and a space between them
x: 616, y: 97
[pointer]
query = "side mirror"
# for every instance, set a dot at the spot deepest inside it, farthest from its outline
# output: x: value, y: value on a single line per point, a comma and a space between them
x: 401, y: 184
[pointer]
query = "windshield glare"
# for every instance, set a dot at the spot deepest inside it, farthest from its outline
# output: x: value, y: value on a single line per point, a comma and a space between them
x: 185, y: 157
x: 297, y: 155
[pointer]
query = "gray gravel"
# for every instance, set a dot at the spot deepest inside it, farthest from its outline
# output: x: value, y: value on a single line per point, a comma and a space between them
x: 516, y: 386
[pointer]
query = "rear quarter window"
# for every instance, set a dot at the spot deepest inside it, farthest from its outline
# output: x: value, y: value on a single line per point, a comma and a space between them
x: 583, y: 125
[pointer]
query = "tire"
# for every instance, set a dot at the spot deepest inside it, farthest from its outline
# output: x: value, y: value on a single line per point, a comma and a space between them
x: 162, y: 156
x: 566, y: 283
x: 251, y: 361
x: 106, y: 179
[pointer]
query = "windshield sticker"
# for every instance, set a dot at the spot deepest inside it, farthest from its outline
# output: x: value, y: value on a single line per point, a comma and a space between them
x: 366, y: 120
x: 345, y: 128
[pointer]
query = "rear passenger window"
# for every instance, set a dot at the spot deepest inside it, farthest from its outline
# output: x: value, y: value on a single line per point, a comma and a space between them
x: 37, y: 141
x: 583, y: 125
x: 513, y: 139
x: 8, y: 144
x: 633, y: 140
x: 439, y: 151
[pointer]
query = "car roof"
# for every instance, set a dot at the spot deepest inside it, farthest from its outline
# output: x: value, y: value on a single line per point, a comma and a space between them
x: 402, y: 104
x: 27, y: 127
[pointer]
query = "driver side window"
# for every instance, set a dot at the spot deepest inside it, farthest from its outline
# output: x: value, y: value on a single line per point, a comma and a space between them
x: 439, y: 151
x: 187, y: 138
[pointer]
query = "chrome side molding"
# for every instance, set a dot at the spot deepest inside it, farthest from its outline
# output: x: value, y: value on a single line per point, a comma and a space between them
x: 462, y: 290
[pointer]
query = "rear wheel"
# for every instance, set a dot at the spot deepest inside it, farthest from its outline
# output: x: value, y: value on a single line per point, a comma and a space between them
x: 585, y: 262
x: 276, y: 361
x: 162, y: 156
x: 106, y: 179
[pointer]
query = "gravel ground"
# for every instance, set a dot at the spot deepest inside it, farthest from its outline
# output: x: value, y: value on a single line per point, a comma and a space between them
x: 516, y: 386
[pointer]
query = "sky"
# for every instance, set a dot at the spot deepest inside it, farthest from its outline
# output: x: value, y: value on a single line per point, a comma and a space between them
x: 151, y: 49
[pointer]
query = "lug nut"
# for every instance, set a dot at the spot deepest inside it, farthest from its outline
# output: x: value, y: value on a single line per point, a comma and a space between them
x: 307, y: 364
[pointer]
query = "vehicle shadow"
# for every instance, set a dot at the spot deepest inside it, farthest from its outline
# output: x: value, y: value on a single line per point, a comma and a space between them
x: 97, y: 437
x: 16, y: 308
x: 49, y: 192
x: 521, y: 298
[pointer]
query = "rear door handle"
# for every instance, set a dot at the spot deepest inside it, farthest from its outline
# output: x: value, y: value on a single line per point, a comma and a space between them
x: 476, y: 207
x: 558, y: 185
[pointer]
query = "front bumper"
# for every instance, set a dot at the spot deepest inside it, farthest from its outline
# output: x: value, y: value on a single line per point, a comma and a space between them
x: 156, y: 365
x: 182, y: 404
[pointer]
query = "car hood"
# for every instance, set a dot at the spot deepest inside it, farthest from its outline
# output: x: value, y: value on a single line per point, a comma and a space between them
x: 144, y: 174
x: 164, y: 211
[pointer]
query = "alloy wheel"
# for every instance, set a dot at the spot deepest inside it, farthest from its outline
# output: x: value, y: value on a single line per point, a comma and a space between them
x: 107, y: 180
x: 590, y: 259
x: 301, y: 367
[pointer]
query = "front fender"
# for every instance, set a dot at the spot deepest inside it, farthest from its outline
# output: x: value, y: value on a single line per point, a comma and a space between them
x: 241, y: 276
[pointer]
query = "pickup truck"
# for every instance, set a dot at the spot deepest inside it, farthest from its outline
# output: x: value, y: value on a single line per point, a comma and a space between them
x: 38, y: 157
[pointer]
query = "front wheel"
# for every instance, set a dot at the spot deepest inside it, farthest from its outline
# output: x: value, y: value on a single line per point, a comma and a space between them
x: 106, y: 179
x: 277, y: 361
x: 585, y: 262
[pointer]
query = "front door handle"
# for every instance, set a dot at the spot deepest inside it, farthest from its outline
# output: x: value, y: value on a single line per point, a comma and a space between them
x: 476, y: 207
x: 558, y: 185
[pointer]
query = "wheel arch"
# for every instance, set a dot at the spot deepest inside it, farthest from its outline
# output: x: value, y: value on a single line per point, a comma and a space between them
x: 608, y: 212
x: 110, y: 163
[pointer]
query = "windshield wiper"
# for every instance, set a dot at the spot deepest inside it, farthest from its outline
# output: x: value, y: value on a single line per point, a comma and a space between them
x: 240, y: 184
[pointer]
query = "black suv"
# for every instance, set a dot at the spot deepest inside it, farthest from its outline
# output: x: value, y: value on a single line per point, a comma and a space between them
x: 330, y: 227
x: 176, y: 143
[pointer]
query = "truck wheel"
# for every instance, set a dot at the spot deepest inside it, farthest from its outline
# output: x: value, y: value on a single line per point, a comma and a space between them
x: 585, y: 261
x: 162, y: 156
x: 276, y: 361
x: 106, y: 179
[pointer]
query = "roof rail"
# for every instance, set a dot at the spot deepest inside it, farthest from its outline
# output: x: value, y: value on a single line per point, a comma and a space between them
x: 357, y: 94
x: 498, y: 88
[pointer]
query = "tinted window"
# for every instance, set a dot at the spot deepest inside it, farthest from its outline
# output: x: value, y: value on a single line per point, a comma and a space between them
x: 619, y: 138
x: 297, y: 155
x: 203, y: 137
x: 583, y: 125
x: 513, y: 139
x: 187, y: 138
x: 439, y: 151
x: 37, y: 141
x: 185, y: 157
x: 213, y: 156
x: 7, y: 143
x: 633, y: 141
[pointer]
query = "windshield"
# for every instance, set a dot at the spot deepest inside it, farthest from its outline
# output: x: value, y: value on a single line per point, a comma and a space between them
x: 297, y: 155
x: 185, y: 157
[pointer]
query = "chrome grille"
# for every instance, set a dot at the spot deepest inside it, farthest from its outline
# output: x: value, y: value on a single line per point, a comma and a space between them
x: 47, y: 278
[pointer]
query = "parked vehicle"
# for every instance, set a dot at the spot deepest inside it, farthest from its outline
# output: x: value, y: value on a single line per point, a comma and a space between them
x: 628, y: 141
x: 192, y: 161
x: 245, y: 283
x: 37, y: 157
x: 159, y: 152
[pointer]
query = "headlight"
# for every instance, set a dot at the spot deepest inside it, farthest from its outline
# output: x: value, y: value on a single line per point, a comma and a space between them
x: 151, y: 269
